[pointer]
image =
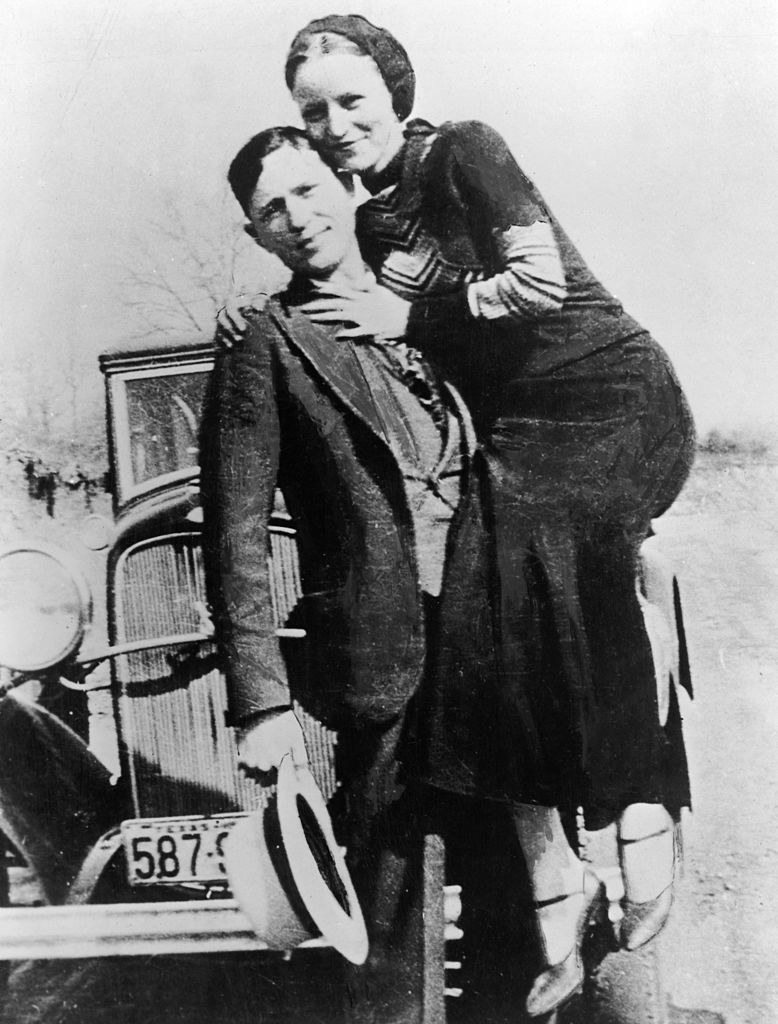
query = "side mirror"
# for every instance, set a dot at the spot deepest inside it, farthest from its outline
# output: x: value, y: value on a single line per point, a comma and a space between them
x: 45, y: 608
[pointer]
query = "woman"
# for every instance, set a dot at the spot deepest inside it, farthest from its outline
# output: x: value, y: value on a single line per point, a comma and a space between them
x: 586, y: 435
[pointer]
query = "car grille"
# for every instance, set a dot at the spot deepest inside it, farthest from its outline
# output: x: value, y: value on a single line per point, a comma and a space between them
x: 180, y: 756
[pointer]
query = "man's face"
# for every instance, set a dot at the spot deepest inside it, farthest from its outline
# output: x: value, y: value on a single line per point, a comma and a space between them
x: 302, y: 212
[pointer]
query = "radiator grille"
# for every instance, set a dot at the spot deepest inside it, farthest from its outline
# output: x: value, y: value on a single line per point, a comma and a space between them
x: 181, y: 756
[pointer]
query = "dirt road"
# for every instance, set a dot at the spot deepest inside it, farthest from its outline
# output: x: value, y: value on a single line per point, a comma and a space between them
x: 720, y: 950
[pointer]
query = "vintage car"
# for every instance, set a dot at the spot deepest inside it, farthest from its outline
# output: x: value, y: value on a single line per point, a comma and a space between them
x: 177, y: 757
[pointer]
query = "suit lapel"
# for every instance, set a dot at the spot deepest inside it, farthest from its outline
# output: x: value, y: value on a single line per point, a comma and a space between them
x: 334, y: 362
x: 338, y: 366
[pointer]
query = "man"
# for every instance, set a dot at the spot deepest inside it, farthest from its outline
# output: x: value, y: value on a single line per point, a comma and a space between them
x: 370, y: 453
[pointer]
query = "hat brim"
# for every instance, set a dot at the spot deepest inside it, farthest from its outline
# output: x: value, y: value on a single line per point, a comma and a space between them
x: 318, y: 864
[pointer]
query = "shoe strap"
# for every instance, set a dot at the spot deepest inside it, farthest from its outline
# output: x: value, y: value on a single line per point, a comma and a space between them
x: 590, y: 882
x: 540, y: 904
x: 640, y: 839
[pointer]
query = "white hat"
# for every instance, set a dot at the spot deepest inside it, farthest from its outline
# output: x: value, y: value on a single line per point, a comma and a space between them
x: 288, y: 873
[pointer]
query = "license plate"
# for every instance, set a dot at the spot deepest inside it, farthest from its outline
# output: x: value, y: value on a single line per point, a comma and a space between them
x: 172, y: 851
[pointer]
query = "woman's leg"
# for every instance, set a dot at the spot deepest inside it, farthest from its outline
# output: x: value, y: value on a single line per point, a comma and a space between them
x: 556, y: 876
x: 646, y: 843
x: 566, y: 896
x: 648, y: 862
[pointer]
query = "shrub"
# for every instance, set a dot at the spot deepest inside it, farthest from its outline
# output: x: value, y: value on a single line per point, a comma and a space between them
x: 736, y: 443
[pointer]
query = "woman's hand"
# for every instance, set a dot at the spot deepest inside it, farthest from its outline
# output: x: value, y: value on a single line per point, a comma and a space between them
x: 231, y: 319
x: 373, y: 310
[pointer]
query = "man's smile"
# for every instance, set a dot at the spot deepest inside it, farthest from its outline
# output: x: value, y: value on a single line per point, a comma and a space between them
x: 312, y: 241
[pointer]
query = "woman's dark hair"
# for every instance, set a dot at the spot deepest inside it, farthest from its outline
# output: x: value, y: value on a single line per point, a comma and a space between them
x: 246, y: 168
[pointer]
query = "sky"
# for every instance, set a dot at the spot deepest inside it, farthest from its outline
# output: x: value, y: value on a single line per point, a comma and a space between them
x: 650, y: 126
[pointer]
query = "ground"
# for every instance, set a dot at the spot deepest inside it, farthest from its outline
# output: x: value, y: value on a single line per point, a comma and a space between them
x: 720, y: 948
x: 718, y: 953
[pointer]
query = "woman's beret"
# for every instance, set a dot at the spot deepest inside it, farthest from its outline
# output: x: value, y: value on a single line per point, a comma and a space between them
x: 389, y: 55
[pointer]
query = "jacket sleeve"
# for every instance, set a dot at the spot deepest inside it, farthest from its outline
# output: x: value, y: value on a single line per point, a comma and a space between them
x: 471, y: 177
x: 240, y: 441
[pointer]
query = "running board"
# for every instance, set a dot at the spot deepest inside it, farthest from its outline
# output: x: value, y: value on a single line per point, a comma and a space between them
x: 135, y: 929
x: 127, y: 929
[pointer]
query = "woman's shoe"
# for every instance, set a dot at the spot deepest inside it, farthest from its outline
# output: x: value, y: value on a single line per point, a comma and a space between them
x: 643, y: 921
x: 648, y: 867
x: 558, y: 982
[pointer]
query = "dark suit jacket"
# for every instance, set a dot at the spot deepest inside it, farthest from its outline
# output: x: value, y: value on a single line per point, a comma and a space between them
x: 289, y: 406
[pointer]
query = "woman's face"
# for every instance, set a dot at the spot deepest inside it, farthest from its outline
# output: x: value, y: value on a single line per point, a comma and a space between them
x: 348, y: 113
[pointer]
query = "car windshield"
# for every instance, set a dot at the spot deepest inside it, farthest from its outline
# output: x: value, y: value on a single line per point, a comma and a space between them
x: 157, y: 418
x: 164, y: 416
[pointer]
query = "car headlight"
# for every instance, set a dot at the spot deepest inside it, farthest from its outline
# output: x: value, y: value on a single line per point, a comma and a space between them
x: 45, y: 606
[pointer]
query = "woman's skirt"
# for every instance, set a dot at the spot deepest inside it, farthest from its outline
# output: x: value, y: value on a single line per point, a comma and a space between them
x: 552, y: 696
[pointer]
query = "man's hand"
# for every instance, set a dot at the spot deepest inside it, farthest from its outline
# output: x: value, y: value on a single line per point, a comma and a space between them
x: 262, y: 746
x: 375, y: 311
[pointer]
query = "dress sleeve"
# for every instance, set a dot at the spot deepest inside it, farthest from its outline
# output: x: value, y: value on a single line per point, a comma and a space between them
x: 509, y: 225
x: 533, y: 281
x: 240, y: 441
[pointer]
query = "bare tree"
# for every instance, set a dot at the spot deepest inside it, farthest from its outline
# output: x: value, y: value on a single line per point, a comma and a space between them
x: 178, y: 270
x: 187, y: 263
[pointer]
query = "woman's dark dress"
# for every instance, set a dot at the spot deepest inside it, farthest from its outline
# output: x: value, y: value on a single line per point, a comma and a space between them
x: 586, y: 437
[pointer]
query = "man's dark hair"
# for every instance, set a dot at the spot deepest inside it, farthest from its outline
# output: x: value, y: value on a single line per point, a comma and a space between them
x: 246, y: 168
